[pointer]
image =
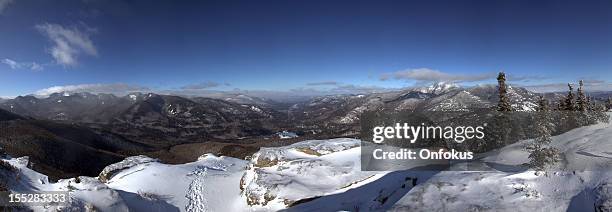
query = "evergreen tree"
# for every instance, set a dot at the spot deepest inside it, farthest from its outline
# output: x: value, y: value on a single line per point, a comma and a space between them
x: 504, y: 103
x: 561, y: 104
x: 581, y: 101
x: 569, y: 100
x: 542, y: 104
x: 501, y: 125
x: 597, y: 112
x: 590, y: 103
x: 541, y: 155
x: 609, y: 103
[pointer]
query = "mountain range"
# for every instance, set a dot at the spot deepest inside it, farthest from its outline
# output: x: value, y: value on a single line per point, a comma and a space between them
x: 79, y: 125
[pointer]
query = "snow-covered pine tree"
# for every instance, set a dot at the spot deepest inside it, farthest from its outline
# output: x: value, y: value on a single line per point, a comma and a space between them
x: 541, y: 155
x: 561, y: 104
x: 501, y: 125
x: 581, y: 101
x: 503, y: 104
x: 583, y: 116
x: 569, y: 100
x: 590, y: 103
x: 597, y: 112
x: 542, y: 104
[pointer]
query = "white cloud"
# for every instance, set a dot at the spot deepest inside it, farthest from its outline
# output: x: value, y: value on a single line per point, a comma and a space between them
x: 589, y: 86
x: 338, y: 88
x: 4, y: 4
x: 116, y: 88
x: 68, y: 43
x: 358, y: 89
x: 22, y: 65
x: 36, y: 67
x: 200, y: 86
x: 11, y: 63
x: 323, y: 83
x: 297, y: 94
x: 431, y: 75
x: 526, y: 78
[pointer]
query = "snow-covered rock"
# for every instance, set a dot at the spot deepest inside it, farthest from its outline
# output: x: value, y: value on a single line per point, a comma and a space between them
x: 321, y: 175
x: 129, y: 162
x: 286, y: 134
x: 278, y: 177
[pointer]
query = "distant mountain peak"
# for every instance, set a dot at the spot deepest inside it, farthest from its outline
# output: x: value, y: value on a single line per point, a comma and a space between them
x: 438, y: 87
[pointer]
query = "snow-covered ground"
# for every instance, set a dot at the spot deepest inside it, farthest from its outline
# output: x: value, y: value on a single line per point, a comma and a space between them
x: 325, y: 175
x: 141, y: 184
x: 582, y: 181
x: 320, y: 175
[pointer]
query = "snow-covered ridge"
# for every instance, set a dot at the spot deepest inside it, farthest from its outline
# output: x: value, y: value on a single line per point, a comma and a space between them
x: 437, y: 88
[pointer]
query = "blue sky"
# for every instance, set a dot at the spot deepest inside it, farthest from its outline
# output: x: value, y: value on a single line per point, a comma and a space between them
x: 299, y: 45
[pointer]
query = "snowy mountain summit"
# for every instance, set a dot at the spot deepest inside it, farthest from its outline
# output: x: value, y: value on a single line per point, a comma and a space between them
x: 438, y: 88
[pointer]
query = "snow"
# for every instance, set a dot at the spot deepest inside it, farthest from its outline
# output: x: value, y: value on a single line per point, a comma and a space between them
x: 88, y: 190
x: 143, y: 184
x: 438, y: 88
x: 174, y: 110
x: 129, y: 162
x: 586, y: 150
x: 525, y: 106
x: 209, y: 184
x: 256, y: 109
x: 327, y: 170
x: 353, y: 115
x: 286, y: 134
x: 462, y: 101
x: 325, y: 175
x: 133, y: 97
